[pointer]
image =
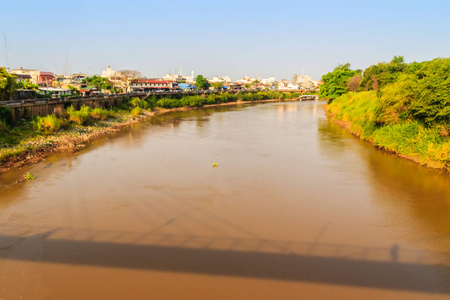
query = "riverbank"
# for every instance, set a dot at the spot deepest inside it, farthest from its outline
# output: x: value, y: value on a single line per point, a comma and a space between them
x: 359, y: 113
x: 35, y: 147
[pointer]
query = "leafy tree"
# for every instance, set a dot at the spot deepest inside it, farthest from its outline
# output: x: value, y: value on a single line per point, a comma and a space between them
x: 421, y: 92
x: 382, y: 74
x: 201, y: 82
x: 218, y: 85
x: 128, y: 76
x: 27, y: 84
x: 74, y: 90
x: 8, y: 84
x: 335, y: 82
x: 353, y: 83
x: 100, y: 82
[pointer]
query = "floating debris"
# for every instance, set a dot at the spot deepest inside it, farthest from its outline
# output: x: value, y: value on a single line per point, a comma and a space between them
x: 28, y: 176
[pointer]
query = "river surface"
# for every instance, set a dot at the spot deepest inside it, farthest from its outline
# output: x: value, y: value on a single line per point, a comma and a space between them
x: 296, y: 208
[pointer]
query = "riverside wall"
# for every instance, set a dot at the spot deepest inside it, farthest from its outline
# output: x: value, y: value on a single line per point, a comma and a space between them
x: 26, y: 109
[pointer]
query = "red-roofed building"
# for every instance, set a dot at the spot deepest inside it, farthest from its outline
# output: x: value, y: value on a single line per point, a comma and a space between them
x: 146, y: 85
x: 42, y: 78
x: 35, y: 76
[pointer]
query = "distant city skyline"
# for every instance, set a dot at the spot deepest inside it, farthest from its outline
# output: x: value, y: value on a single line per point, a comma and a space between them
x: 231, y: 38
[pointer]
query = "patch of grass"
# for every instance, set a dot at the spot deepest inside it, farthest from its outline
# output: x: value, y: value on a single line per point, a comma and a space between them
x: 137, y: 102
x: 100, y: 114
x: 47, y: 125
x: 136, y: 111
x: 79, y: 117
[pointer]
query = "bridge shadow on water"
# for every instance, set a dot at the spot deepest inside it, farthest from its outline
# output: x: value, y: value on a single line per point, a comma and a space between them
x: 382, y: 268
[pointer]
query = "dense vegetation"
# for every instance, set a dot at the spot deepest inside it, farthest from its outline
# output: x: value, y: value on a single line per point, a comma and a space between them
x: 100, y: 82
x: 201, y: 82
x: 335, y: 82
x: 7, y: 84
x: 404, y: 108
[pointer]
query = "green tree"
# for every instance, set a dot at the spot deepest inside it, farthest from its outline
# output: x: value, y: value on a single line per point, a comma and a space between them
x: 8, y: 84
x: 335, y: 83
x: 382, y: 74
x: 353, y: 83
x: 201, y: 82
x: 218, y: 85
x: 27, y: 84
x: 100, y: 82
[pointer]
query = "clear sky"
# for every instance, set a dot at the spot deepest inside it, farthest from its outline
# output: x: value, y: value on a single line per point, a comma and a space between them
x: 232, y: 38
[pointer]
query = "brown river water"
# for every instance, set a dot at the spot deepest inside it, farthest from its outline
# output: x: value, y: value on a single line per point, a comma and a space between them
x: 296, y: 208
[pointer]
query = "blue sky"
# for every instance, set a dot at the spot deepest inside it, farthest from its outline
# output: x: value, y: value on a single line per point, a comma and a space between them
x: 232, y: 38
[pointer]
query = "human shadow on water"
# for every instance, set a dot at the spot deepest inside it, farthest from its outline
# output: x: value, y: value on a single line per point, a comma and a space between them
x: 253, y: 258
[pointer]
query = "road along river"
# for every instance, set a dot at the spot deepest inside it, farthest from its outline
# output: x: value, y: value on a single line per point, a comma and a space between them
x: 296, y: 208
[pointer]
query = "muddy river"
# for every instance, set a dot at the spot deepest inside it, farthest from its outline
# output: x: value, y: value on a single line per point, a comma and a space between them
x: 296, y: 208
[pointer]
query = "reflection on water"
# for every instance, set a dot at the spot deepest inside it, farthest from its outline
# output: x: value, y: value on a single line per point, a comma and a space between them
x: 296, y: 208
x: 409, y: 195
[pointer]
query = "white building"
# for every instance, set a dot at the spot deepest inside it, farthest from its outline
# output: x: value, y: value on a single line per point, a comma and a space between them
x: 303, y: 79
x: 220, y: 79
x: 108, y: 72
x: 269, y: 80
x: 285, y: 85
x: 246, y: 80
x: 55, y: 91
x: 180, y: 77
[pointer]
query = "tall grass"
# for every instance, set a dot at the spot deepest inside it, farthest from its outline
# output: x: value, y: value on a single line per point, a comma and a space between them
x: 137, y: 102
x: 424, y: 144
x: 79, y: 117
x: 48, y: 124
x: 100, y: 114
x: 136, y: 111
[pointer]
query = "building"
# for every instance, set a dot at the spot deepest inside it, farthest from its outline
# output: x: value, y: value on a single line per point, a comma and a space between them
x: 55, y: 91
x: 285, y: 85
x: 37, y: 77
x: 269, y: 80
x: 316, y: 83
x: 216, y: 79
x: 303, y: 79
x: 179, y: 77
x: 246, y: 80
x: 66, y: 80
x: 148, y: 85
x: 108, y: 73
x: 22, y: 74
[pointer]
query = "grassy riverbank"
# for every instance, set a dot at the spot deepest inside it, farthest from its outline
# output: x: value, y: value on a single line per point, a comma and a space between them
x: 29, y: 141
x: 361, y: 114
x: 400, y: 107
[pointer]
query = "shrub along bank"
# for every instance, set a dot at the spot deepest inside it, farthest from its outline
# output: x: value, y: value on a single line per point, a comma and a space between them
x: 408, y: 115
x: 69, y: 125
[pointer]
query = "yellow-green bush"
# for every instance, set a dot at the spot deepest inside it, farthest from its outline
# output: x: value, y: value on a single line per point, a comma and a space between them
x: 47, y: 125
x: 79, y: 117
x: 136, y: 111
x: 99, y: 114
